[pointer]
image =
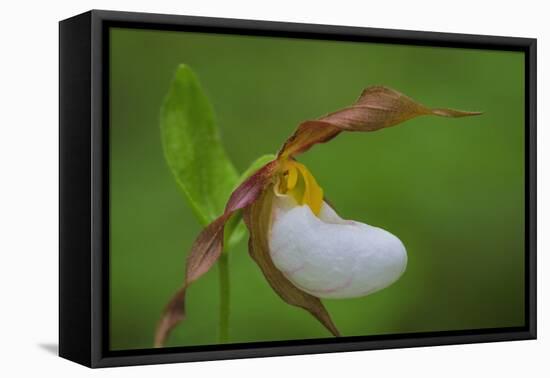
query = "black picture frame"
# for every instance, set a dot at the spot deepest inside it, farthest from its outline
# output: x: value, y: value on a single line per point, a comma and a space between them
x: 84, y: 187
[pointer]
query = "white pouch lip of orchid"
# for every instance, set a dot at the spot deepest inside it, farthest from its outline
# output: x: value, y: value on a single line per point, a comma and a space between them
x: 330, y: 257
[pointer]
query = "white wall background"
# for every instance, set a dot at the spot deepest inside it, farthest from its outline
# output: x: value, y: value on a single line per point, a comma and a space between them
x: 29, y: 174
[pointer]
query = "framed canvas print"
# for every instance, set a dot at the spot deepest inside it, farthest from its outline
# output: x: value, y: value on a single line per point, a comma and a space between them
x: 233, y: 188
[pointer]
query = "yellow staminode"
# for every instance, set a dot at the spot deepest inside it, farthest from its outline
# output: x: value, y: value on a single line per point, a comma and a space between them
x: 298, y: 182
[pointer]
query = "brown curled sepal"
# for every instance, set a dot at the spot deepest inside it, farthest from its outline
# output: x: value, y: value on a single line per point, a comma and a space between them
x: 377, y: 108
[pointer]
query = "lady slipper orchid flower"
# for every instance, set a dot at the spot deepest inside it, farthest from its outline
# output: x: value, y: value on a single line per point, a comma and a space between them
x: 305, y: 250
x: 323, y: 254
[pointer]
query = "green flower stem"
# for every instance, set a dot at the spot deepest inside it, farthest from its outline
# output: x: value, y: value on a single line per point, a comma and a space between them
x: 223, y: 269
x: 223, y: 266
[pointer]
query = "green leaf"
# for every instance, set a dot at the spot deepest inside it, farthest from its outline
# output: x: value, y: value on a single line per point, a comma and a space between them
x: 236, y: 229
x: 193, y: 148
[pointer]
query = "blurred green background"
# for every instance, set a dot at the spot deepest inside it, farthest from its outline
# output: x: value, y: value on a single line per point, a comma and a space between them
x: 451, y: 189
